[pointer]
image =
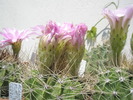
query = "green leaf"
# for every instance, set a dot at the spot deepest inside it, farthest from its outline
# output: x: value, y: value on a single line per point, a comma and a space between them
x: 91, y: 34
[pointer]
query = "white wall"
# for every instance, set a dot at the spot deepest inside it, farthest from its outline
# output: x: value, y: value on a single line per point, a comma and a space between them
x: 23, y: 14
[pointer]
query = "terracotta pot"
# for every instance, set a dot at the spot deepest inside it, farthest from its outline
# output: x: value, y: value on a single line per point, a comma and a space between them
x: 4, y: 99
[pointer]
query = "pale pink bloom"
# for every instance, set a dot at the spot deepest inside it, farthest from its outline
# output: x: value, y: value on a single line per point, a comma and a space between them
x: 38, y: 30
x: 67, y: 31
x: 12, y: 35
x: 50, y: 28
x: 119, y: 18
x: 78, y: 34
x: 66, y: 28
x: 73, y: 33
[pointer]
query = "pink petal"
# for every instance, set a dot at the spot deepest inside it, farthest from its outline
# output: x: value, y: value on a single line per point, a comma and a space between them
x: 5, y: 35
x: 110, y: 16
x: 128, y: 16
x: 4, y: 43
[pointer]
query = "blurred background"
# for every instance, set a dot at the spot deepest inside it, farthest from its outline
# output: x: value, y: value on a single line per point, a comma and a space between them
x: 24, y: 14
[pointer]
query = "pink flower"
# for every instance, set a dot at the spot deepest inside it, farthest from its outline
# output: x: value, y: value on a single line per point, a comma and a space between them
x: 78, y: 35
x: 38, y: 30
x: 66, y: 28
x: 119, y: 18
x: 65, y: 32
x: 12, y: 35
x: 62, y: 32
x: 119, y: 22
x: 50, y: 28
x: 61, y: 43
x: 74, y: 33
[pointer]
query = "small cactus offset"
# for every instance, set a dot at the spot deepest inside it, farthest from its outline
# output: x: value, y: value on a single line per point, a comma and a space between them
x: 113, y: 84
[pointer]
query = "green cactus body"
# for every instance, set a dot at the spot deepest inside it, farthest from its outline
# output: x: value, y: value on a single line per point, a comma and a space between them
x: 34, y: 89
x: 75, y: 55
x: 46, y: 55
x: 69, y: 58
x: 59, y: 58
x: 61, y: 47
x: 8, y: 73
x: 16, y: 48
x: 117, y: 40
x: 52, y: 88
x: 70, y: 88
x: 114, y: 84
x: 98, y: 59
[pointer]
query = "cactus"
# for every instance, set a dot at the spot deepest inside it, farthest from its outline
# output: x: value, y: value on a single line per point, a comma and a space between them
x: 61, y: 48
x: 46, y: 56
x: 106, y: 82
x: 98, y: 58
x: 117, y: 43
x: 69, y: 59
x: 113, y: 84
x: 8, y: 73
x: 52, y: 87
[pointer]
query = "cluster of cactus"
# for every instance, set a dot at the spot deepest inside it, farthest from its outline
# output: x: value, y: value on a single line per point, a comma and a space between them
x: 105, y: 81
x: 61, y: 48
x: 8, y: 73
x: 113, y: 84
x: 53, y: 87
